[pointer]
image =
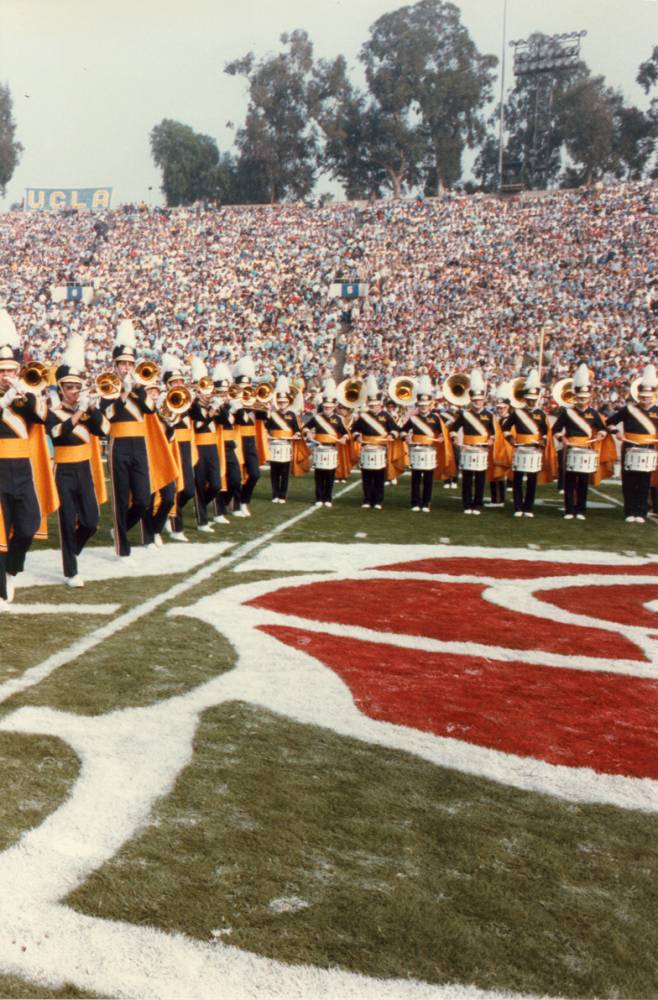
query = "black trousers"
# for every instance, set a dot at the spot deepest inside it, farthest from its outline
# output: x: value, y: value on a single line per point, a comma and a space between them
x: 575, y: 492
x: 560, y: 469
x: 422, y: 484
x: 473, y: 488
x: 21, y: 514
x: 279, y: 478
x: 187, y: 492
x: 373, y: 481
x: 324, y: 484
x: 233, y: 484
x: 635, y: 487
x: 497, y: 490
x: 524, y: 499
x: 131, y: 487
x: 207, y: 480
x: 159, y: 510
x: 253, y: 469
x: 78, y: 511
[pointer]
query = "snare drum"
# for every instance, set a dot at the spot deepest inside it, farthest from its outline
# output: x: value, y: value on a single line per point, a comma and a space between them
x: 325, y: 457
x: 373, y: 457
x: 473, y: 459
x: 581, y: 460
x: 280, y: 450
x: 640, y: 459
x: 527, y: 459
x: 422, y: 457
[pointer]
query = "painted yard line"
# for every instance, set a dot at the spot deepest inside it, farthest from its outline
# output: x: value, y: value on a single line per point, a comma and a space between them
x: 99, y: 635
x: 62, y: 609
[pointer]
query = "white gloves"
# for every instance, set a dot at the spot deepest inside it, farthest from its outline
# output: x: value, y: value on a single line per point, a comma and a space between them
x: 128, y: 382
x: 9, y: 397
x: 84, y: 402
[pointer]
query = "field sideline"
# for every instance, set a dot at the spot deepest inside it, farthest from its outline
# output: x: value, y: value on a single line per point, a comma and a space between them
x: 337, y: 753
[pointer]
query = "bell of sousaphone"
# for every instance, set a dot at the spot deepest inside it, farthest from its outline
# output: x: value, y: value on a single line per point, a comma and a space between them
x: 351, y: 393
x: 563, y: 393
x: 402, y: 390
x: 516, y: 397
x: 456, y: 389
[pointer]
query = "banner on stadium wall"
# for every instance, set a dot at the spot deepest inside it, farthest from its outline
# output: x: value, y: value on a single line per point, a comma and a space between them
x: 356, y: 290
x: 72, y: 293
x: 52, y: 199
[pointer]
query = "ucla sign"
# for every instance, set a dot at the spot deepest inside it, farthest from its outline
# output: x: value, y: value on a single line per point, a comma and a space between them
x: 49, y: 199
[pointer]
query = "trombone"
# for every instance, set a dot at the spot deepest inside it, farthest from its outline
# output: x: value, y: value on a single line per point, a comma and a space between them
x: 34, y: 376
x: 146, y: 373
x: 177, y: 402
x: 108, y: 385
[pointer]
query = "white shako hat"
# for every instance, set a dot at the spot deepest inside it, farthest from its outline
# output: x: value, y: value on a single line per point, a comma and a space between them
x: 478, y: 386
x: 503, y: 392
x: 221, y: 375
x: 11, y: 355
x: 582, y: 381
x: 172, y: 367
x: 282, y: 387
x: 646, y: 384
x: 244, y: 371
x: 532, y: 385
x: 125, y: 342
x: 372, y: 389
x: 424, y: 389
x: 72, y: 366
x: 199, y: 369
x: 329, y: 391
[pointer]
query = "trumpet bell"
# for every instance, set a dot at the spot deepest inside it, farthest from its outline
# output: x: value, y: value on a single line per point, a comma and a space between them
x: 456, y: 389
x: 402, y: 390
x: 108, y: 385
x: 206, y: 385
x: 264, y: 392
x: 563, y: 393
x: 146, y: 373
x: 178, y: 400
x: 352, y: 393
x: 34, y: 376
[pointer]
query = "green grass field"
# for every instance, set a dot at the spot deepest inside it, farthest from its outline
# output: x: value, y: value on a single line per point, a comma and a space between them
x: 292, y: 842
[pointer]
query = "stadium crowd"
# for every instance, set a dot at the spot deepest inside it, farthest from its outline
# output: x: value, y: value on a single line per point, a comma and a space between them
x: 454, y: 283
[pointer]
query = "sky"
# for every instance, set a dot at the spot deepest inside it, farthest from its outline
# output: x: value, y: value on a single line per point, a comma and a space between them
x: 90, y: 80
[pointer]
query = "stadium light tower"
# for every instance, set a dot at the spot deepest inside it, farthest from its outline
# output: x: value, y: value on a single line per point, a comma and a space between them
x: 540, y: 58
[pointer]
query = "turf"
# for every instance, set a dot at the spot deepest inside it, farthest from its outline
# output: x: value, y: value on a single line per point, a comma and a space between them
x: 294, y: 843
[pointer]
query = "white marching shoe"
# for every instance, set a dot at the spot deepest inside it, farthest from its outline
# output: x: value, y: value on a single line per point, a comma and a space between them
x: 245, y: 511
x: 178, y: 536
x: 127, y: 561
x: 220, y: 519
x: 157, y: 541
x: 206, y: 528
x: 75, y: 581
x: 11, y: 588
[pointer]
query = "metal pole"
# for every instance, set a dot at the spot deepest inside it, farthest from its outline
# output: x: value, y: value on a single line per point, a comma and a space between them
x: 541, y: 352
x: 501, y: 115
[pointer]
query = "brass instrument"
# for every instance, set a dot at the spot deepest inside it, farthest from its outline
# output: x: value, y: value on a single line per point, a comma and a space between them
x: 402, y: 390
x: 352, y: 393
x: 205, y: 385
x: 563, y: 393
x: 146, y: 373
x: 108, y: 385
x: 457, y: 389
x: 34, y: 376
x: 516, y: 397
x: 264, y: 392
x: 177, y: 402
x: 234, y: 390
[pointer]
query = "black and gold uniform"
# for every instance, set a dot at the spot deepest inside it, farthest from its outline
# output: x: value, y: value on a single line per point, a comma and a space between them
x: 527, y: 426
x: 477, y: 427
x: 640, y: 427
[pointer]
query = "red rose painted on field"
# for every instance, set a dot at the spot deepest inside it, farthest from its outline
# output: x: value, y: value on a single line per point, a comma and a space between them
x: 539, y: 659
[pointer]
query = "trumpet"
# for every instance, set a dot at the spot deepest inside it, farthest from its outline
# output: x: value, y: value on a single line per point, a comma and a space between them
x: 34, y: 376
x: 177, y: 402
x: 108, y: 385
x: 146, y: 373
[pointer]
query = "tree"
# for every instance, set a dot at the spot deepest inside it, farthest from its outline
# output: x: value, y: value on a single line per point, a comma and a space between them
x: 278, y: 142
x: 192, y: 169
x: 586, y: 114
x: 10, y: 149
x: 425, y: 73
x: 634, y: 141
x: 647, y: 77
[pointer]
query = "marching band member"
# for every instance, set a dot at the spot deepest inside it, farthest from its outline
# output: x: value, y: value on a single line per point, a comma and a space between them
x: 327, y: 429
x: 499, y: 475
x: 374, y: 429
x: 284, y: 430
x: 427, y: 432
x: 75, y: 427
x: 181, y: 435
x: 246, y: 423
x: 639, y: 434
x: 162, y: 502
x: 478, y: 427
x: 527, y: 428
x: 139, y: 460
x: 588, y: 452
x: 229, y: 441
x: 27, y: 488
x: 207, y: 471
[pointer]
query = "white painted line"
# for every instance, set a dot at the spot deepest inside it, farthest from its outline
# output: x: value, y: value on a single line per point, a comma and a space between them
x: 81, y: 646
x: 62, y: 609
